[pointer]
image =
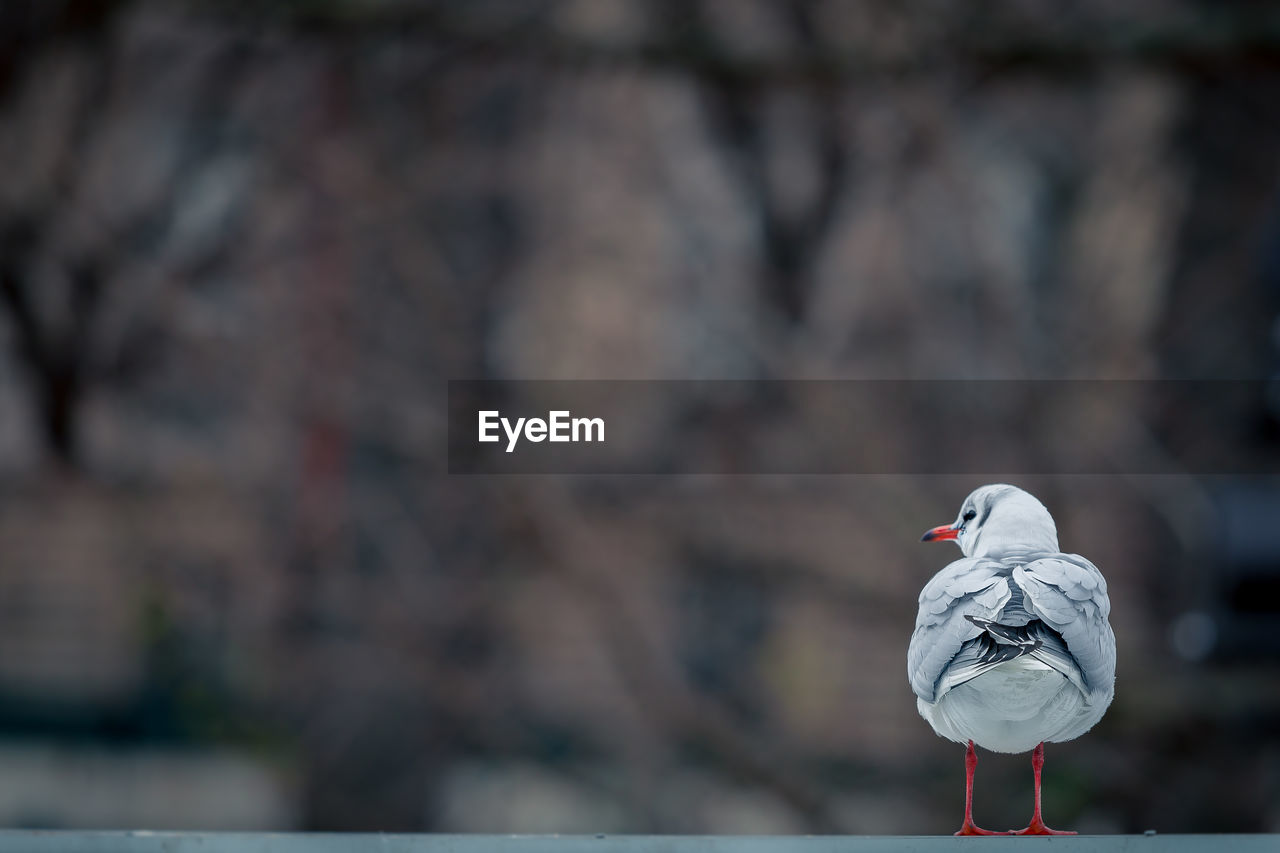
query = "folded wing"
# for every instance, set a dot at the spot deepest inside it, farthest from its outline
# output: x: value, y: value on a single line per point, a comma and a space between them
x: 1069, y: 594
x: 968, y: 587
x: 977, y: 613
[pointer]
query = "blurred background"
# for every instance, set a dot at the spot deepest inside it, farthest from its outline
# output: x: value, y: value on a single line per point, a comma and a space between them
x: 244, y: 245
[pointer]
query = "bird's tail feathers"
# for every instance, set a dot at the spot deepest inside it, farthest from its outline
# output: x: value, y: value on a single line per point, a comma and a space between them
x: 1000, y: 643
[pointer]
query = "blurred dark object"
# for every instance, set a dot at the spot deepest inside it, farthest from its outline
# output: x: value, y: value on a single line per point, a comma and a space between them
x: 1236, y: 610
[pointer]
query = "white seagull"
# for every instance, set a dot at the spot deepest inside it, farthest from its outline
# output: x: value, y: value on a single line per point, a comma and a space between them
x: 1012, y: 646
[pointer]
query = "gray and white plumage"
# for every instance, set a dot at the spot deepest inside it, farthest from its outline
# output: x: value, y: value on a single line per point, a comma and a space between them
x: 1012, y: 646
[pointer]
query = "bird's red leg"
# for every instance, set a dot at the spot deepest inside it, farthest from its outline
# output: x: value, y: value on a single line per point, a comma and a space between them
x: 1037, y: 827
x: 968, y: 828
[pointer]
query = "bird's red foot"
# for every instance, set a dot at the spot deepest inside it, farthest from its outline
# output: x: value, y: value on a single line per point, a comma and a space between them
x: 1037, y: 827
x: 970, y: 829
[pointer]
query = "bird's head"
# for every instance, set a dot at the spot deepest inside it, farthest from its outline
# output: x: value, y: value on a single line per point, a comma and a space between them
x: 999, y: 518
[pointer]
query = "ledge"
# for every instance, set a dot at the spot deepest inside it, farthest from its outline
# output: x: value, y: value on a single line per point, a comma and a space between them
x: 40, y: 841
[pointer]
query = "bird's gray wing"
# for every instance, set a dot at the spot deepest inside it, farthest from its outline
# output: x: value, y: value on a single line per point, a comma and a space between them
x: 970, y: 586
x: 1069, y: 594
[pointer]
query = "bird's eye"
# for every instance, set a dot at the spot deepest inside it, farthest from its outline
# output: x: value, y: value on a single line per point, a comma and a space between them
x: 969, y: 515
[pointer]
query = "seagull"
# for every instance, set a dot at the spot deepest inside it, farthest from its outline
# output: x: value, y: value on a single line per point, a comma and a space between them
x: 1012, y: 646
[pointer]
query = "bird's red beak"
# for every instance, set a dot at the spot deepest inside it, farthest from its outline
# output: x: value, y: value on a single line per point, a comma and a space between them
x: 941, y: 533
